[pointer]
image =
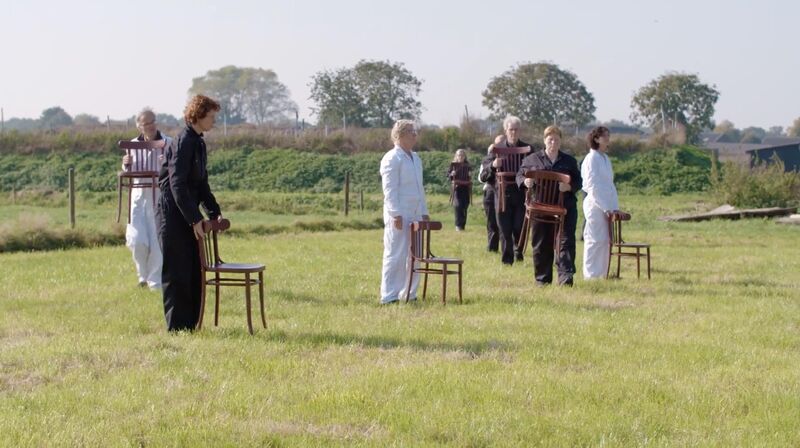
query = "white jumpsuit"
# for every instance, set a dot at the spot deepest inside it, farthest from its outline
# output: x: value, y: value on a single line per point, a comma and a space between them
x: 141, y: 236
x: 403, y: 195
x: 601, y: 196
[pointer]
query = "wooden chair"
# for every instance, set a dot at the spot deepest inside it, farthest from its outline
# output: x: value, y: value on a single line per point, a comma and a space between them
x: 544, y: 203
x: 142, y: 172
x: 615, y: 219
x: 210, y: 262
x: 461, y: 178
x: 510, y: 161
x: 421, y: 253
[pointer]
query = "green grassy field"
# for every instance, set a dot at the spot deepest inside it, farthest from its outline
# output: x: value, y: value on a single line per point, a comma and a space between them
x: 705, y: 354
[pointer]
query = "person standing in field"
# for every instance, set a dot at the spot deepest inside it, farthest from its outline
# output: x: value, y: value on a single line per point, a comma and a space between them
x: 509, y: 220
x: 184, y: 190
x: 601, y: 197
x: 403, y: 203
x: 553, y: 159
x: 141, y: 236
x: 492, y: 231
x: 459, y: 171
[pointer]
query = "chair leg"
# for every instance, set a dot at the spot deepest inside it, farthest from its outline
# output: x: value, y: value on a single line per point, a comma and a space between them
x: 460, y: 300
x: 130, y: 201
x: 216, y: 301
x: 119, y: 198
x: 619, y: 261
x: 202, y: 299
x: 425, y: 282
x: 444, y: 284
x: 247, y: 302
x: 638, y: 263
x: 261, y: 297
x: 648, y: 263
x: 410, y: 277
x: 610, y: 252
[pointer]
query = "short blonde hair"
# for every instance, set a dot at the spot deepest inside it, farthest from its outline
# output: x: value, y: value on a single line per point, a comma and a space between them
x: 552, y: 130
x: 402, y: 127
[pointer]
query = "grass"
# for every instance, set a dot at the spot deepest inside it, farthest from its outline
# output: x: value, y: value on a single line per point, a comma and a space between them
x: 705, y: 354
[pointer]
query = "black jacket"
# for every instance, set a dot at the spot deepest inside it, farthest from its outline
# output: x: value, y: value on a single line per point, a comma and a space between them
x: 564, y: 163
x: 183, y: 178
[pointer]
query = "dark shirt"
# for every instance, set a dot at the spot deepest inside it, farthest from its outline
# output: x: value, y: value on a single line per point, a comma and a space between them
x: 564, y: 163
x: 185, y: 177
x: 488, y: 173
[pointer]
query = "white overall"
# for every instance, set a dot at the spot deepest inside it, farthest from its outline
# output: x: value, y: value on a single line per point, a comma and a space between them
x: 601, y: 196
x: 403, y: 195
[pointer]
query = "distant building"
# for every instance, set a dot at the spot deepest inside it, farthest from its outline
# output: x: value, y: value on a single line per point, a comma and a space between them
x: 789, y: 154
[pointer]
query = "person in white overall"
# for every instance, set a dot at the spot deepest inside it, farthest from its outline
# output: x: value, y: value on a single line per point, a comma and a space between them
x: 403, y: 203
x: 140, y: 234
x: 601, y: 197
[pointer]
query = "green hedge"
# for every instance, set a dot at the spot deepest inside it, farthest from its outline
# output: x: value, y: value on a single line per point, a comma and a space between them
x: 659, y: 171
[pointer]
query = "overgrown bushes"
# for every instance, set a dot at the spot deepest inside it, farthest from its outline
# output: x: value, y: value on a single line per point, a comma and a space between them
x: 664, y: 171
x: 762, y: 186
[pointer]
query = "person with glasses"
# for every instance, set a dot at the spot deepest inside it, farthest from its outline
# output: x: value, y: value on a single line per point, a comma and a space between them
x: 403, y: 203
x: 140, y: 233
x: 184, y: 190
x: 509, y: 221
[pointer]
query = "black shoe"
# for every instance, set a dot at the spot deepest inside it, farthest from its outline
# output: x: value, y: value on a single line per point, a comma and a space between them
x: 143, y: 284
x: 541, y: 284
x: 567, y: 282
x: 518, y: 256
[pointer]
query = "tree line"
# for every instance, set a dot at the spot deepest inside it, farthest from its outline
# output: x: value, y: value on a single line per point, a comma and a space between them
x: 376, y: 93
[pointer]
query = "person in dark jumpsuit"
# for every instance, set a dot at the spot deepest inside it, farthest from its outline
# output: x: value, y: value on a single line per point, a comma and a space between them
x: 461, y: 193
x: 510, y: 220
x: 553, y: 159
x: 183, y: 181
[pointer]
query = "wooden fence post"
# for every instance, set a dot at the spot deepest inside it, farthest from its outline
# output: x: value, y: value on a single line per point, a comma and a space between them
x: 346, y: 193
x: 72, y: 198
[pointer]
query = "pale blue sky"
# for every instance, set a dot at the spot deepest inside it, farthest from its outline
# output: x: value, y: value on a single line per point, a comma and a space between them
x: 83, y: 55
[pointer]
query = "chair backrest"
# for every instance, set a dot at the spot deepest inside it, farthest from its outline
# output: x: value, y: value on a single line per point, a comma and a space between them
x: 209, y: 251
x: 511, y: 159
x: 615, y: 220
x: 545, y: 187
x: 421, y: 237
x: 144, y: 155
x: 461, y: 171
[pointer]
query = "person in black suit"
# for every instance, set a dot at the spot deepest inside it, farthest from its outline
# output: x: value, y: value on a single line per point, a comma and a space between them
x: 183, y: 181
x: 553, y: 159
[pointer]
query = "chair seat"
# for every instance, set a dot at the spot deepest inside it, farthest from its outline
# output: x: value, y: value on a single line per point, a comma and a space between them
x: 634, y: 245
x: 237, y: 267
x: 546, y: 209
x: 441, y: 260
x: 138, y: 173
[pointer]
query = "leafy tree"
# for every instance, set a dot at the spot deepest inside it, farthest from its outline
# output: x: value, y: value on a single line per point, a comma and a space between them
x: 753, y: 134
x: 86, y: 120
x: 729, y: 132
x: 540, y: 94
x: 54, y: 117
x: 675, y: 99
x: 775, y: 131
x: 372, y: 93
x: 794, y: 129
x: 246, y: 94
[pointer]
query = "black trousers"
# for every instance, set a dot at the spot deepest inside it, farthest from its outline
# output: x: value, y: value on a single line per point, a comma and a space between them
x: 510, y: 223
x: 180, y: 272
x: 492, y: 231
x: 461, y: 205
x: 543, y: 253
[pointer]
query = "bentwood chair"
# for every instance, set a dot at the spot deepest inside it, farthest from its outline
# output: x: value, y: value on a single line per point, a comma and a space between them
x: 226, y: 274
x: 421, y: 254
x: 623, y: 249
x: 142, y: 172
x: 506, y: 174
x: 544, y: 203
x: 460, y: 178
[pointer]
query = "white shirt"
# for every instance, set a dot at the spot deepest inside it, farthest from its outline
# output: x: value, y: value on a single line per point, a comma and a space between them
x: 598, y: 181
x: 403, y: 193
